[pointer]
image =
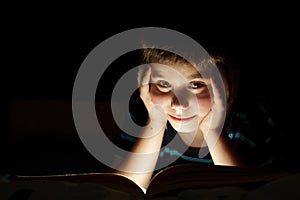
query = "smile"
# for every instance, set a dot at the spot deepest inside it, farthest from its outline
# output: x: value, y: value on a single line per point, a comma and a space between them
x: 181, y: 119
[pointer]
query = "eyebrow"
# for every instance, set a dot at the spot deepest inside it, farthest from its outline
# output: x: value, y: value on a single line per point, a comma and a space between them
x: 196, y: 75
x: 159, y: 74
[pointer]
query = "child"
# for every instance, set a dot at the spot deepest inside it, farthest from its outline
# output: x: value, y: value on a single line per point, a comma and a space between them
x: 187, y: 100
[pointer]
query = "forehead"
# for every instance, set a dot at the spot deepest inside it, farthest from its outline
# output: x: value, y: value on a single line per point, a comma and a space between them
x: 185, y: 70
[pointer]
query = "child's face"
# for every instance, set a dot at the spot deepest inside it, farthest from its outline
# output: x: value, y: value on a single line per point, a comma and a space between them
x: 182, y: 93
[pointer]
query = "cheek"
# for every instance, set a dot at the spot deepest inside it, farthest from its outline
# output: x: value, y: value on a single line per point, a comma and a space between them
x: 160, y: 98
x: 204, y: 105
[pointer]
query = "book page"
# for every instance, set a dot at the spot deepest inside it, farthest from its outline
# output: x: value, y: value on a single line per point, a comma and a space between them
x: 114, y: 181
x: 199, y: 176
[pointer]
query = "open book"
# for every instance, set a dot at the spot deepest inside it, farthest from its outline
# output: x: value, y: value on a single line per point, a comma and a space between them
x: 174, y: 179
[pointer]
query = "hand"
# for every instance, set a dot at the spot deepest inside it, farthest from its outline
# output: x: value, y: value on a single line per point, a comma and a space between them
x: 155, y: 111
x: 215, y: 118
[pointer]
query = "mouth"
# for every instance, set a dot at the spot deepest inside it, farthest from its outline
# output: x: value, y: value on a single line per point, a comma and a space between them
x: 181, y: 119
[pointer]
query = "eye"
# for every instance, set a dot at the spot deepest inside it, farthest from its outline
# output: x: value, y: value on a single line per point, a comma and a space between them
x: 164, y: 84
x: 196, y: 84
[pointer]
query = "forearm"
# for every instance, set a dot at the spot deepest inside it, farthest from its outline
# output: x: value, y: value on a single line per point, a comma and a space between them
x: 222, y: 151
x: 142, y: 160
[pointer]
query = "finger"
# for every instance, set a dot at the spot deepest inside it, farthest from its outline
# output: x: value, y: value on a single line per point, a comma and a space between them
x: 146, y: 78
x: 218, y: 110
x: 218, y: 91
x: 144, y: 89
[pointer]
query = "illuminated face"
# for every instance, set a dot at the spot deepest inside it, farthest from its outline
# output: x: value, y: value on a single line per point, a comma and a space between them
x: 182, y: 93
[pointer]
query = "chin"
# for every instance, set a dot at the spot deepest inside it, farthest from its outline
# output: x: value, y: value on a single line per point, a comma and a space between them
x: 185, y: 127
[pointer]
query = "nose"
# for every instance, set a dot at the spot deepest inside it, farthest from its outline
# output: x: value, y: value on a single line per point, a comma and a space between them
x: 179, y: 102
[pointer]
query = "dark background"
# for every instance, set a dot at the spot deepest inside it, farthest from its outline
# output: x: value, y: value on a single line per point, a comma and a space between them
x: 44, y: 45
